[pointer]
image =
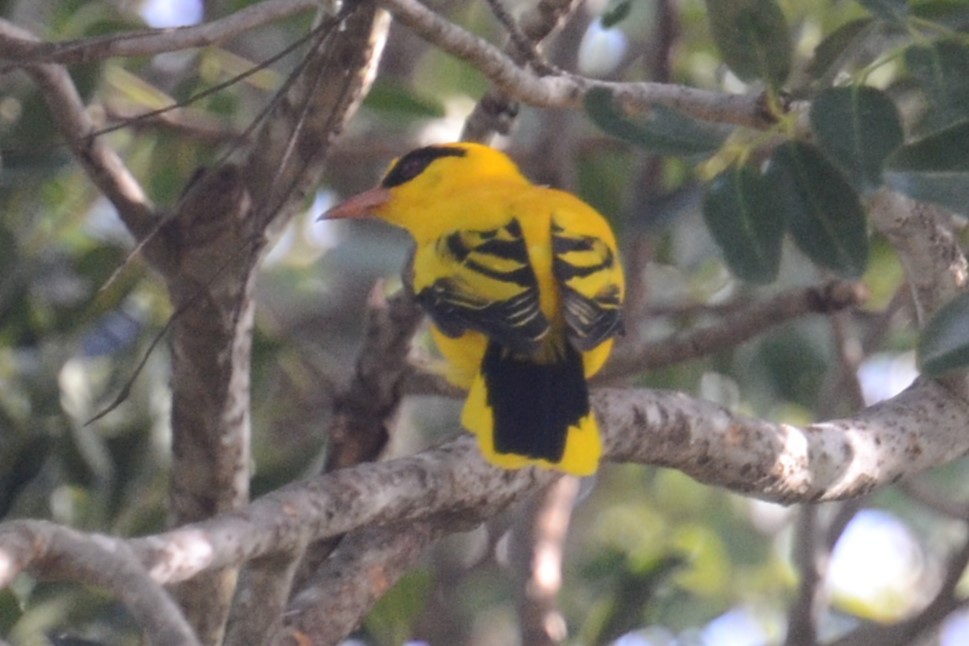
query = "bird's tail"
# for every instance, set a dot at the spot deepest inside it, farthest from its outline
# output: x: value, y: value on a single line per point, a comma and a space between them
x: 526, y: 412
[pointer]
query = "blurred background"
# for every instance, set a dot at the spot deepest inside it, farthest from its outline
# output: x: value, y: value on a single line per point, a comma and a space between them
x: 652, y: 557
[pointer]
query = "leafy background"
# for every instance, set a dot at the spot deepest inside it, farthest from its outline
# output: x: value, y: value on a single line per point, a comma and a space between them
x: 707, y: 216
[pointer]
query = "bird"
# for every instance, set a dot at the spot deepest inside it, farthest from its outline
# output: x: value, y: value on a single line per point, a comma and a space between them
x: 524, y: 288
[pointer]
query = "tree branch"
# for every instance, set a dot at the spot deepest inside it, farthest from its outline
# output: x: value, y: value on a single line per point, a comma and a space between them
x: 568, y: 91
x: 537, y: 553
x: 934, y: 264
x: 833, y: 460
x: 362, y: 411
x: 495, y: 110
x: 99, y: 160
x: 55, y: 552
x: 18, y: 47
x: 918, y: 429
x: 361, y: 569
x: 282, y: 167
x: 735, y: 328
x: 210, y: 283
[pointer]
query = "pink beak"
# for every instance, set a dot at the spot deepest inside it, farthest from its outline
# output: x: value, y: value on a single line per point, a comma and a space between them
x: 359, y: 206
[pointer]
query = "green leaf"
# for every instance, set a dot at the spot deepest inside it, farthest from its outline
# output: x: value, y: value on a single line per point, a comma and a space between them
x: 748, y: 227
x: 615, y: 12
x: 942, y: 71
x: 944, y: 344
x: 823, y: 211
x: 829, y: 51
x: 21, y: 461
x: 953, y: 14
x: 664, y: 131
x: 753, y: 38
x: 935, y: 169
x: 857, y: 127
x: 893, y: 10
x: 392, y: 617
x: 395, y: 99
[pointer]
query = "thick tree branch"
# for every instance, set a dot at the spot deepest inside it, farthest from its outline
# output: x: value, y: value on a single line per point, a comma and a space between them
x: 283, y: 166
x: 934, y: 264
x: 211, y: 283
x: 930, y: 253
x: 59, y: 553
x: 220, y: 233
x: 920, y: 428
x: 361, y: 569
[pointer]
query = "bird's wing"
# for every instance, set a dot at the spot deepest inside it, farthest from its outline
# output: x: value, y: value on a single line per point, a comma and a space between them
x: 482, y: 280
x: 587, y: 270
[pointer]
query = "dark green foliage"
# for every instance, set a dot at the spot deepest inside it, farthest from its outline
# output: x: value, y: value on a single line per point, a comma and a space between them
x: 753, y: 38
x: 663, y: 131
x: 944, y: 343
x: 743, y: 217
x: 935, y: 168
x: 857, y: 127
x: 823, y: 212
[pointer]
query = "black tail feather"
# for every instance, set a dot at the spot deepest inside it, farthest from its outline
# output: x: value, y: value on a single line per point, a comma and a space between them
x: 534, y: 403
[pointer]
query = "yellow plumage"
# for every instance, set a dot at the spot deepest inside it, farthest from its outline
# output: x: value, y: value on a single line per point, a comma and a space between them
x: 524, y: 289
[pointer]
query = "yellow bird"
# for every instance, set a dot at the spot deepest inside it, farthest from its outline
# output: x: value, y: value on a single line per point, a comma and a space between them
x: 524, y: 289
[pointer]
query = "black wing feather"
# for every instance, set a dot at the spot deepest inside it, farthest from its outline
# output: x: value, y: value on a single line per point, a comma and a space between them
x: 589, y: 318
x: 485, y: 263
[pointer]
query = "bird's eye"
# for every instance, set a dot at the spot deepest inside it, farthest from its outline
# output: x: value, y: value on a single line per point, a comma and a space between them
x: 415, y: 162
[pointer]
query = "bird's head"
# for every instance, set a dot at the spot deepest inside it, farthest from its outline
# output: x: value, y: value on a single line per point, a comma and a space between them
x: 416, y: 182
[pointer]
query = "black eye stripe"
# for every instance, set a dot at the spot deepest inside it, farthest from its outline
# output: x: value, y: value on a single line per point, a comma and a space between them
x: 413, y: 164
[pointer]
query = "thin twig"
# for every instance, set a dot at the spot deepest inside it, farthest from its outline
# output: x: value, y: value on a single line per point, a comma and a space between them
x: 735, y: 328
x: 19, y: 47
x: 568, y: 91
x: 525, y: 46
x: 100, y: 161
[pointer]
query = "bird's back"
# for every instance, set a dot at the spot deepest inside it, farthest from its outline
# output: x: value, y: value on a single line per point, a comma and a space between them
x: 532, y: 212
